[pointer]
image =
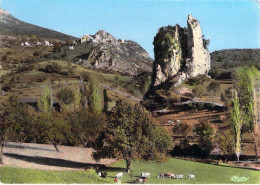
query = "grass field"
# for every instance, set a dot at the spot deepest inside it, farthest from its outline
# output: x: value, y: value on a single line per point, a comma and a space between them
x: 205, y: 174
x: 18, y: 175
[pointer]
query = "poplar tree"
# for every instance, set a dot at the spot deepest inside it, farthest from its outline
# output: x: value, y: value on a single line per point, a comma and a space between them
x: 247, y: 83
x: 236, y: 120
x: 96, y: 97
x: 45, y: 103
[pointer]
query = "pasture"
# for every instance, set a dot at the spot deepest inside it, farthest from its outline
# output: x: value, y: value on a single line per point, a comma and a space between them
x: 204, y: 174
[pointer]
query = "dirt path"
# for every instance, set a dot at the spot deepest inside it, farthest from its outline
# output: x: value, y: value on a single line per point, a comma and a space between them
x: 43, y: 156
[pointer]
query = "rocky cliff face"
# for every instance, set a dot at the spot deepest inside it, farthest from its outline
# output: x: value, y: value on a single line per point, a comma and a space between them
x: 109, y: 54
x: 179, y: 53
x: 199, y: 56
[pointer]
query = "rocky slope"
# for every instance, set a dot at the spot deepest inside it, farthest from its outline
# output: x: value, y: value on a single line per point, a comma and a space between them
x: 9, y: 25
x: 179, y: 53
x: 109, y: 54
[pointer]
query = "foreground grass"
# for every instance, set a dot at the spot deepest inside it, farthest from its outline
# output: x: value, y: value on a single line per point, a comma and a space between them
x: 19, y: 175
x: 205, y: 173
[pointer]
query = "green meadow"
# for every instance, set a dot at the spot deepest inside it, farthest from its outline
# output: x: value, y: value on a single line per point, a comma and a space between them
x: 204, y: 174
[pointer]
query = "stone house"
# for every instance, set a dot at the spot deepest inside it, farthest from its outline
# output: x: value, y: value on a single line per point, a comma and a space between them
x: 86, y: 38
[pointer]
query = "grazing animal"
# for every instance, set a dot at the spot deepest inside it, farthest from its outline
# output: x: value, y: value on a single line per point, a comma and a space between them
x: 161, y: 175
x: 179, y: 176
x: 147, y: 174
x: 191, y: 176
x: 102, y: 174
x: 166, y: 175
x: 171, y: 175
x: 119, y: 175
x: 141, y: 180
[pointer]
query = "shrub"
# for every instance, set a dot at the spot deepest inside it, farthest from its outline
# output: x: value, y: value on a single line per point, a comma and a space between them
x: 66, y: 95
x: 182, y: 128
x: 36, y: 54
x: 53, y: 68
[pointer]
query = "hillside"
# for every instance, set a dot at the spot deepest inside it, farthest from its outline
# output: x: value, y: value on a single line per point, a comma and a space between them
x: 9, y: 25
x: 224, y: 61
x: 106, y: 53
x: 236, y: 55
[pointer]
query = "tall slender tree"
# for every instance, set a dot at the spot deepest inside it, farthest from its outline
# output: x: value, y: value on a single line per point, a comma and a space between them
x: 45, y: 103
x: 236, y: 121
x: 96, y: 97
x: 247, y: 83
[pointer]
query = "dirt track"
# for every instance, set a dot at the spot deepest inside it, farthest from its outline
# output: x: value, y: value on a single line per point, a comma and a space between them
x: 42, y: 156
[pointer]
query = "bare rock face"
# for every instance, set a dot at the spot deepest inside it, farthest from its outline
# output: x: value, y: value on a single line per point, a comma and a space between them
x: 199, y: 55
x: 179, y: 53
x: 104, y: 37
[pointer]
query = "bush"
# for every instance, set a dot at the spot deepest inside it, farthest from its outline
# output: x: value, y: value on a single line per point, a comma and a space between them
x: 66, y: 95
x: 53, y: 68
x: 36, y: 54
x: 181, y: 128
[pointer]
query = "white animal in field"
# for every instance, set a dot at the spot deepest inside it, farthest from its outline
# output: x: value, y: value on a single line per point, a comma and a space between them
x: 191, y: 176
x: 179, y: 176
x: 145, y: 174
x: 119, y: 175
x: 99, y: 174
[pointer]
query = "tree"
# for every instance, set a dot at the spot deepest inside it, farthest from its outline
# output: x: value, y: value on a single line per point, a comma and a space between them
x: 105, y: 100
x: 131, y: 133
x: 184, y: 129
x: 45, y: 102
x: 57, y: 130
x: 236, y: 120
x: 96, y: 97
x: 205, y: 132
x: 16, y: 122
x: 227, y: 142
x: 86, y: 127
x: 66, y: 95
x: 246, y: 81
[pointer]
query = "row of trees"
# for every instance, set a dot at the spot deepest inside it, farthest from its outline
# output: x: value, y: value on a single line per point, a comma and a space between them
x: 243, y: 109
x: 128, y: 132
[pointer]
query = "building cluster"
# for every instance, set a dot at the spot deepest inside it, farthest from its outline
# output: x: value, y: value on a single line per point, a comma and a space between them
x: 45, y: 43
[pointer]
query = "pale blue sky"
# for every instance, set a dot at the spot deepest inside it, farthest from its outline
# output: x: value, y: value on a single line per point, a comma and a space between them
x: 227, y: 23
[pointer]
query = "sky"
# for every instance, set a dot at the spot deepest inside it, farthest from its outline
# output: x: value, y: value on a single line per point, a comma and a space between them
x: 227, y: 23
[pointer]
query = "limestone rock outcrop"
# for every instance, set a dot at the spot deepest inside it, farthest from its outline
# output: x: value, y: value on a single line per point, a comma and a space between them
x: 179, y: 53
x: 109, y: 54
x: 199, y: 55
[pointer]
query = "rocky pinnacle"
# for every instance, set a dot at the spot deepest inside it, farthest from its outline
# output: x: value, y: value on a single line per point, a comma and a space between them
x: 179, y: 53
